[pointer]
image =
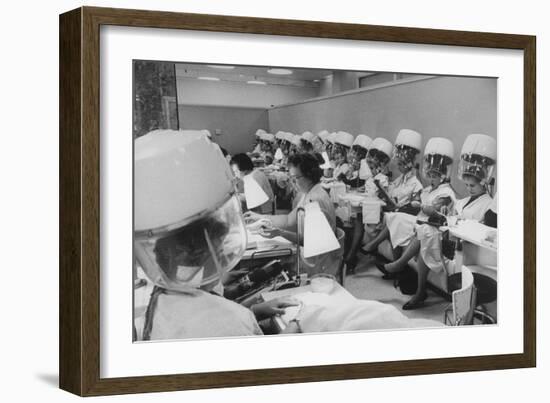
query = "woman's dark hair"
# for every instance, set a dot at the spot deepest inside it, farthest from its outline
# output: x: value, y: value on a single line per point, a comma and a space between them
x: 243, y: 162
x: 359, y: 151
x: 308, y: 165
x: 381, y: 157
x: 319, y: 158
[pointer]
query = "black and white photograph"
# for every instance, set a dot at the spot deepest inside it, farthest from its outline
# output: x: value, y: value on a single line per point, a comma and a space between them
x: 271, y: 200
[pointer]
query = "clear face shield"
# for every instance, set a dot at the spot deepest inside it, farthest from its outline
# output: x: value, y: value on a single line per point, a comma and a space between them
x: 405, y: 156
x: 306, y: 146
x: 357, y: 154
x: 436, y: 164
x: 377, y: 160
x: 339, y: 153
x: 196, y: 253
x: 476, y: 165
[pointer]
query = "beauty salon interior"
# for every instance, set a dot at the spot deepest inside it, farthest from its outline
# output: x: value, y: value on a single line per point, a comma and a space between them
x: 273, y: 199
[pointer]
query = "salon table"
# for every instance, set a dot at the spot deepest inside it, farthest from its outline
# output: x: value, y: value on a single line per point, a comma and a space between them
x: 479, y: 254
x: 259, y: 247
x: 479, y: 246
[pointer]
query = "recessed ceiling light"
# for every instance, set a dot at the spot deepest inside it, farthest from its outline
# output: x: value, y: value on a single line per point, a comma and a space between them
x: 280, y: 72
x: 209, y: 78
x: 256, y: 82
x: 219, y: 66
x: 316, y: 81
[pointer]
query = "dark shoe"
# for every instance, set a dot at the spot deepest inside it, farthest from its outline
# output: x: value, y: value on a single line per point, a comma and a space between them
x: 391, y: 276
x: 415, y: 305
x: 380, y: 266
x: 351, y: 264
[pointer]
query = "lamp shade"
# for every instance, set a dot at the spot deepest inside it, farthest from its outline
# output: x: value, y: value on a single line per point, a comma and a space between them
x: 253, y: 193
x: 326, y: 163
x: 319, y: 237
x: 279, y: 154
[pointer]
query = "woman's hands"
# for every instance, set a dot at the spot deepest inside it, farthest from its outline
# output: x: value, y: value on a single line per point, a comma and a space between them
x: 270, y: 232
x: 250, y: 217
x: 274, y: 307
x: 428, y: 210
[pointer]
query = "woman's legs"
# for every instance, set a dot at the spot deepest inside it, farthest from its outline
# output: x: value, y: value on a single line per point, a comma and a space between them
x: 411, y: 251
x: 357, y: 237
x: 373, y: 244
x: 418, y: 298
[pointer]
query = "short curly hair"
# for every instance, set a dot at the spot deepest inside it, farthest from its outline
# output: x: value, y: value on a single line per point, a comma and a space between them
x: 308, y: 165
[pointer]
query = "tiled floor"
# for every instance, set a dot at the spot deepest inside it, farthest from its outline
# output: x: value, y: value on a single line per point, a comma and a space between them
x: 367, y: 283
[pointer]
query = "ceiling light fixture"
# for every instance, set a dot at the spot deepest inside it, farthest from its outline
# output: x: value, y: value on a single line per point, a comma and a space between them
x: 208, y: 78
x: 219, y: 66
x: 280, y: 72
x: 256, y: 82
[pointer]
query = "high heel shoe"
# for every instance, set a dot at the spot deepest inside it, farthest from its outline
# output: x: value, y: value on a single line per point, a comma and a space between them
x: 351, y: 264
x: 419, y: 303
x: 388, y: 275
x: 380, y: 266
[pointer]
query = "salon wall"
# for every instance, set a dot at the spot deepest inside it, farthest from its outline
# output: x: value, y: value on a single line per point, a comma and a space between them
x: 238, y: 94
x: 236, y: 125
x: 451, y: 107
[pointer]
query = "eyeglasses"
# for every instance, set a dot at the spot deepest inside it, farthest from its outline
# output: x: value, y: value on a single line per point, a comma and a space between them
x: 295, y: 177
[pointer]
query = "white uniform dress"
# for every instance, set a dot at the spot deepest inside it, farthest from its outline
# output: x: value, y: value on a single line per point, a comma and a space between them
x: 182, y: 316
x: 339, y: 170
x: 402, y: 188
x: 371, y: 190
x: 370, y: 187
x: 430, y: 237
x: 402, y: 226
x: 475, y: 210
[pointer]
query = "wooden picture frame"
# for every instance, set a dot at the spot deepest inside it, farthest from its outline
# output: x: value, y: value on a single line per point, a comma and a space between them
x: 79, y: 346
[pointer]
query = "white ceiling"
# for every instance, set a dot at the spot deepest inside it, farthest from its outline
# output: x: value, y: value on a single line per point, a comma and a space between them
x: 299, y: 77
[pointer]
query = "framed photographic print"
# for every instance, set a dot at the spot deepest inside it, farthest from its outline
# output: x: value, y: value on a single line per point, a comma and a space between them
x: 250, y: 201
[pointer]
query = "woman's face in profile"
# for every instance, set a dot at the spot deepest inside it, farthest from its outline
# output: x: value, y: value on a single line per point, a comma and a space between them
x: 339, y: 157
x: 299, y: 181
x: 434, y: 178
x: 473, y: 185
x: 402, y: 167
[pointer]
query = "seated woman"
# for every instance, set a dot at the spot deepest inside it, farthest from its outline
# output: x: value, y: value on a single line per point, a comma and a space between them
x: 310, y: 143
x: 328, y: 171
x: 406, y: 187
x: 341, y: 149
x: 268, y: 142
x: 399, y: 227
x: 279, y: 140
x: 477, y: 159
x: 378, y: 159
x: 377, y: 184
x: 242, y: 166
x: 355, y: 178
x: 305, y: 172
x: 341, y: 166
x: 257, y: 146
